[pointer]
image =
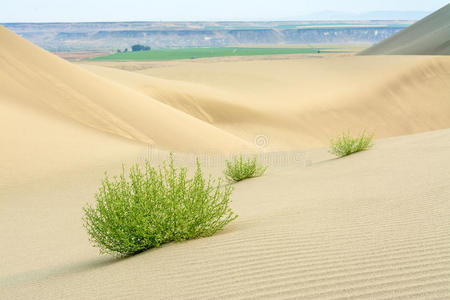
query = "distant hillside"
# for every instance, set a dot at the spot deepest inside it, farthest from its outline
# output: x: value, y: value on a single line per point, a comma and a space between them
x: 370, y: 15
x: 119, y: 35
x: 429, y: 36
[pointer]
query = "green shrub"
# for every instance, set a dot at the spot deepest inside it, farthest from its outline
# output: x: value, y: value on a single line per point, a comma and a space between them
x: 240, y: 169
x: 152, y: 206
x: 345, y: 144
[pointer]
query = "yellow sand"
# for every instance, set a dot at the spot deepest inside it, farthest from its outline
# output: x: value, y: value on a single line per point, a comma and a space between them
x: 374, y: 225
x: 37, y: 79
x: 371, y: 226
x: 303, y: 103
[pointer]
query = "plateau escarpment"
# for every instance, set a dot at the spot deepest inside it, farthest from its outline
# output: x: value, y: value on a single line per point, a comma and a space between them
x: 112, y: 36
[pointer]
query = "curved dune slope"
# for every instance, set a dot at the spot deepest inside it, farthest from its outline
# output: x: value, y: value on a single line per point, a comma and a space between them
x: 374, y: 225
x: 303, y: 103
x: 430, y: 35
x: 38, y: 148
x: 37, y: 79
x: 208, y: 104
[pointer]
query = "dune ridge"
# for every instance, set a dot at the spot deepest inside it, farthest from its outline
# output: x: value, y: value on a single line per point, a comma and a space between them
x: 304, y: 102
x: 296, y: 105
x: 36, y: 78
x: 429, y: 36
x: 208, y: 104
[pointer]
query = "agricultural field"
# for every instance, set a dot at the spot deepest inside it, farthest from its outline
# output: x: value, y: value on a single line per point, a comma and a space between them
x: 109, y: 36
x: 193, y: 53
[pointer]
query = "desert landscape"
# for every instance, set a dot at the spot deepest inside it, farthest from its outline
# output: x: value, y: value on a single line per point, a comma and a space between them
x: 371, y: 225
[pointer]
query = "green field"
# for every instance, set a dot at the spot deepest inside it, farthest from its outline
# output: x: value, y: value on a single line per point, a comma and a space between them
x: 192, y: 53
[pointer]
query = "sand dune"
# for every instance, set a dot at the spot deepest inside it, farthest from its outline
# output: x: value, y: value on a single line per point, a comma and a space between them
x: 429, y: 36
x: 374, y: 225
x: 370, y: 226
x: 36, y: 147
x: 303, y: 103
x: 38, y: 79
x: 211, y: 107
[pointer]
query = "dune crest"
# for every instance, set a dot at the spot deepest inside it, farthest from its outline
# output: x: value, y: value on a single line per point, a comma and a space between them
x: 429, y: 36
x: 303, y: 102
x: 38, y: 79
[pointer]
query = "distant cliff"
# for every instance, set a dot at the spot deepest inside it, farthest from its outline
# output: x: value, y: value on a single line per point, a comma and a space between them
x: 111, y: 36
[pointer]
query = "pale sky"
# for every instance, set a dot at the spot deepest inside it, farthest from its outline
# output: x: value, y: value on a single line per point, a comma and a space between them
x: 193, y: 10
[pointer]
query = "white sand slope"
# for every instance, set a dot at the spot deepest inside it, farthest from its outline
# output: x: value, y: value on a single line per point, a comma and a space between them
x: 35, y: 78
x: 374, y: 225
x: 302, y: 103
x: 430, y: 36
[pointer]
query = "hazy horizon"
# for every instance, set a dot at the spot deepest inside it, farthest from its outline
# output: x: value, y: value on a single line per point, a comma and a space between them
x: 25, y: 11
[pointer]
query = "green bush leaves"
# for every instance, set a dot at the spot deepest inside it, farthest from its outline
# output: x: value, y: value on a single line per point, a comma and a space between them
x: 153, y: 206
x: 240, y: 168
x: 345, y: 144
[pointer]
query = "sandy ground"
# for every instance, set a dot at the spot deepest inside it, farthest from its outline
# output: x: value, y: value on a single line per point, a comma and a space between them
x: 301, y: 103
x: 371, y: 226
x: 374, y: 225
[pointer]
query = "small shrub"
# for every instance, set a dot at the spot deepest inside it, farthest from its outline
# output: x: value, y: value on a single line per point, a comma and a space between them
x: 240, y: 169
x: 138, y: 47
x: 153, y: 206
x: 345, y: 144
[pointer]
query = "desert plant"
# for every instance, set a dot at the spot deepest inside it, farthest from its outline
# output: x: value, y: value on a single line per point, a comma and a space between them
x: 240, y: 168
x: 345, y: 144
x: 152, y: 206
